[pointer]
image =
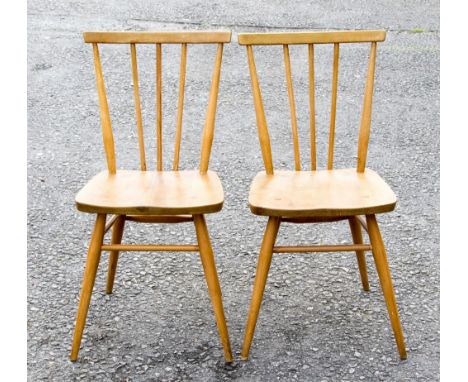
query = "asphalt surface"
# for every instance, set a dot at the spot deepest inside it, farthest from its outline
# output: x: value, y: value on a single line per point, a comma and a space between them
x: 316, y: 323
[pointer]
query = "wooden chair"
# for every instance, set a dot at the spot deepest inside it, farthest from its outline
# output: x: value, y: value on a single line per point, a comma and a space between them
x: 152, y: 196
x: 319, y: 196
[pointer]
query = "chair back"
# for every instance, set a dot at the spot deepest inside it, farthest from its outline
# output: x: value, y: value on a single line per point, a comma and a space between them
x: 311, y: 39
x: 158, y: 38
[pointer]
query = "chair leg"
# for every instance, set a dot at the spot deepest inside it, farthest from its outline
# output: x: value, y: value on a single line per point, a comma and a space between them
x: 92, y: 262
x: 264, y: 261
x: 117, y: 232
x: 361, y: 259
x: 209, y: 267
x: 380, y: 258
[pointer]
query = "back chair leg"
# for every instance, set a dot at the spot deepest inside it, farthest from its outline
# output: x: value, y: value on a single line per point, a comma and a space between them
x: 361, y: 259
x: 380, y: 258
x: 117, y: 232
x: 264, y: 261
x: 209, y: 266
x: 94, y: 254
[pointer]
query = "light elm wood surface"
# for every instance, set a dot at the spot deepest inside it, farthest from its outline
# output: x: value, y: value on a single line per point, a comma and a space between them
x: 214, y: 289
x: 165, y: 197
x: 341, y: 192
x: 158, y: 37
x: 117, y: 233
x: 356, y: 232
x: 152, y: 193
x: 311, y: 37
x: 318, y: 196
x: 89, y: 276
x: 263, y: 267
x: 383, y: 270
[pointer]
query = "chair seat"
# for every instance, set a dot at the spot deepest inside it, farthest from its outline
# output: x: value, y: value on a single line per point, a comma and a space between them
x: 152, y: 193
x: 342, y: 192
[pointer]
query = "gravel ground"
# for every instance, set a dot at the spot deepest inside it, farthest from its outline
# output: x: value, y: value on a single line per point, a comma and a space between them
x: 316, y: 323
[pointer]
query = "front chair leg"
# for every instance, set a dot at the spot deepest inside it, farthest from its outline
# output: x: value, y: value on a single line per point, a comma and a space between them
x: 361, y: 259
x: 92, y: 262
x: 264, y: 261
x: 380, y: 258
x: 117, y: 232
x: 209, y: 266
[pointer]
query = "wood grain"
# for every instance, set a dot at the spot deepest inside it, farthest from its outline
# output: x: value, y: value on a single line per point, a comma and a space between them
x: 321, y: 248
x: 117, y: 233
x: 341, y: 192
x: 313, y: 148
x: 292, y: 107
x: 311, y: 37
x: 262, y: 128
x: 139, y: 119
x: 89, y: 275
x: 356, y: 233
x: 364, y: 131
x: 111, y: 223
x: 331, y: 137
x: 209, y: 267
x: 107, y: 135
x: 381, y: 264
x: 362, y: 222
x: 152, y: 193
x: 150, y: 247
x: 180, y: 106
x: 157, y: 37
x: 208, y: 131
x: 263, y: 267
x: 172, y: 219
x: 159, y: 160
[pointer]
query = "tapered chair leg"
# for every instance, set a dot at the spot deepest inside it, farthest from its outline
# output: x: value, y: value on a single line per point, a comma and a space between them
x: 361, y: 259
x: 209, y: 267
x: 117, y: 232
x: 94, y: 254
x: 380, y: 258
x: 264, y: 261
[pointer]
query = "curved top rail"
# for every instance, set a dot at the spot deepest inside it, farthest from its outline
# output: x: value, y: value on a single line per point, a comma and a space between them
x: 157, y: 37
x: 311, y: 37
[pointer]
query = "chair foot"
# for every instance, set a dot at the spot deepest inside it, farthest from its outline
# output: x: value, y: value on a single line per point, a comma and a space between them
x: 264, y: 261
x: 92, y: 263
x: 117, y: 233
x: 360, y: 255
x: 381, y: 264
x: 209, y: 267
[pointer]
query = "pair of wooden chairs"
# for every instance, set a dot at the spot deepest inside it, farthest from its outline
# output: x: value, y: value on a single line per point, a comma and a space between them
x: 176, y: 196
